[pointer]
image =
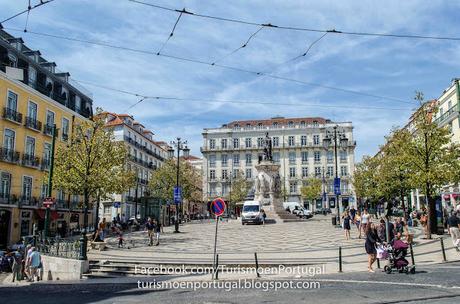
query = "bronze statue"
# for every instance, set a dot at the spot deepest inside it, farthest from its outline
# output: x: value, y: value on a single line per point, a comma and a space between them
x: 268, y: 148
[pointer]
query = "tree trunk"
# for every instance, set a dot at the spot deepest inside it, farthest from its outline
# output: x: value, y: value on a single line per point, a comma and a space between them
x: 431, y: 207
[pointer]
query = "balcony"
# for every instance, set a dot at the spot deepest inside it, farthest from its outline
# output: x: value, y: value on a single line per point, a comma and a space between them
x: 447, y: 116
x: 62, y: 204
x: 33, y: 124
x: 12, y: 115
x: 28, y: 201
x: 9, y: 155
x: 8, y: 199
x: 45, y: 165
x: 30, y: 161
x: 48, y: 130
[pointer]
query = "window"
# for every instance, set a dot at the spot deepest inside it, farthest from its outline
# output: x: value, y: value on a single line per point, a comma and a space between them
x: 212, y: 144
x: 330, y: 171
x: 224, y: 174
x: 236, y: 159
x: 260, y: 125
x: 302, y: 124
x: 44, y: 192
x: 330, y: 157
x: 49, y: 118
x: 316, y: 139
x: 344, y: 187
x: 223, y: 143
x: 32, y: 75
x: 260, y: 142
x: 13, y: 59
x: 212, y: 174
x: 275, y: 125
x: 292, y: 187
x: 212, y: 190
x: 236, y: 143
x: 46, y: 154
x: 65, y: 129
x: 249, y: 173
x: 9, y: 139
x: 30, y: 146
x: 248, y: 159
x: 235, y: 173
x: 292, y: 158
x: 292, y: 172
x: 317, y: 171
x: 32, y: 110
x: 343, y: 171
x: 303, y: 140
x: 248, y: 142
x: 343, y: 156
x: 276, y: 141
x: 291, y: 124
x: 304, y: 157
x: 276, y: 157
x: 317, y: 156
x: 5, y: 185
x: 12, y: 103
x: 291, y: 141
x: 224, y: 189
x: 304, y: 172
x: 224, y: 160
x: 315, y: 123
x: 27, y: 187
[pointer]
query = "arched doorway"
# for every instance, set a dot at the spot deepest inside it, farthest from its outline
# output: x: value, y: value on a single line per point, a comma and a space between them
x: 5, y: 219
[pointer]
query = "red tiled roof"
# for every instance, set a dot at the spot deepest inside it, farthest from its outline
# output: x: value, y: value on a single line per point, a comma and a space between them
x: 279, y: 120
x: 190, y: 157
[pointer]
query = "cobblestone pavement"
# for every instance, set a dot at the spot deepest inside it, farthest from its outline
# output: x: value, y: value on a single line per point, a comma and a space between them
x: 314, y: 241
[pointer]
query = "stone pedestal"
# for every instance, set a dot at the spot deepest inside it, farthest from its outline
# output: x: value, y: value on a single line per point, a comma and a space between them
x: 267, y: 183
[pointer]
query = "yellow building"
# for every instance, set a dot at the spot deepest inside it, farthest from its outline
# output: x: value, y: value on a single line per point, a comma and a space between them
x: 33, y: 98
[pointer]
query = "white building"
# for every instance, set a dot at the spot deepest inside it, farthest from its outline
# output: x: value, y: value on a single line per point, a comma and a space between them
x: 145, y: 155
x: 298, y: 146
x: 448, y: 115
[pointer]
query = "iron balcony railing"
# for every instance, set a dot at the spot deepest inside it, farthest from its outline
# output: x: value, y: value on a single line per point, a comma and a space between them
x: 48, y: 130
x: 8, y: 199
x: 32, y: 123
x: 9, y: 155
x: 12, y: 115
x: 30, y: 160
x: 45, y: 165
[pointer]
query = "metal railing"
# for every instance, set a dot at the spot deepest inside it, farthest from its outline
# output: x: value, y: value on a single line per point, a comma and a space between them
x: 9, y: 155
x: 30, y: 160
x: 12, y: 115
x: 32, y: 123
x: 59, y: 248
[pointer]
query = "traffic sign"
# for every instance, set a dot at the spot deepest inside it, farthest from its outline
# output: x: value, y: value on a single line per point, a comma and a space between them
x: 177, y: 195
x: 218, y: 206
x: 337, y: 185
x: 48, y: 202
x: 116, y: 204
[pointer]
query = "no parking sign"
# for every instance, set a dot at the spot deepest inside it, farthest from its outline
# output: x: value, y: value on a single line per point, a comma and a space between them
x: 218, y: 206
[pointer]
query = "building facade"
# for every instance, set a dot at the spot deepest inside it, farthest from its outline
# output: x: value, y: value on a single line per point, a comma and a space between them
x: 298, y: 147
x: 448, y: 115
x: 34, y: 98
x: 145, y: 156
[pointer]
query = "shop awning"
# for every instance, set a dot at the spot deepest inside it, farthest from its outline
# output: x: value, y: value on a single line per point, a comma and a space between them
x: 53, y: 213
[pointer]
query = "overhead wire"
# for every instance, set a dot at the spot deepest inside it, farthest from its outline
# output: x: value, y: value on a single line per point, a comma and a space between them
x: 233, y: 20
x: 197, y: 61
x: 170, y: 35
x: 145, y: 97
x: 239, y: 48
x: 26, y: 10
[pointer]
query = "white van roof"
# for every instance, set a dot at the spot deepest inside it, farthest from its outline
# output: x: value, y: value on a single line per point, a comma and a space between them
x: 251, y: 203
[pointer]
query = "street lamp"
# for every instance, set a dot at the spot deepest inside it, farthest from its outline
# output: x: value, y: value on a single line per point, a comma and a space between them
x: 336, y: 136
x: 180, y: 145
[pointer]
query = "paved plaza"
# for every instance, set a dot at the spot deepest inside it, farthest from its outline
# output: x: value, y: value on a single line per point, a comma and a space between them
x: 312, y: 242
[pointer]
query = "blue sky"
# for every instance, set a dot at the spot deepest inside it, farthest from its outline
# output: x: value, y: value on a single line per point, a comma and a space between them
x: 380, y: 66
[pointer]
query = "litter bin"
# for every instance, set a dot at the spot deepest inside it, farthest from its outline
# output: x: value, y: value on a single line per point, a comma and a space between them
x: 334, y: 221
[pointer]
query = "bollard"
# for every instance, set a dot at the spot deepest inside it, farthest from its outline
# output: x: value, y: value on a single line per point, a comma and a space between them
x: 444, y: 259
x: 257, y: 265
x: 217, y: 267
x: 378, y: 263
x: 412, y: 254
x: 340, y: 259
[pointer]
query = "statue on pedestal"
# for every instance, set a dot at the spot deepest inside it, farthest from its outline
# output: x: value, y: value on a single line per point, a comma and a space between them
x: 268, y: 148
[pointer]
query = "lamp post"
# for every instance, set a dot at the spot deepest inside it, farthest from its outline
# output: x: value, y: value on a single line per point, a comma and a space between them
x: 336, y: 135
x: 180, y: 145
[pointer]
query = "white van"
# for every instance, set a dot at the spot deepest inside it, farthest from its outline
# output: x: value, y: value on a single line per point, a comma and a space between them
x: 252, y: 212
x: 297, y: 209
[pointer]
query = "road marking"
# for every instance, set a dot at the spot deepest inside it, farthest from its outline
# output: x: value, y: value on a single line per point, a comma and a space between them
x: 386, y: 283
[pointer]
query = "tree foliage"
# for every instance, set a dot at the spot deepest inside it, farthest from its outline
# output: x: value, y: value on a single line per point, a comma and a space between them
x: 312, y: 190
x: 240, y: 188
x: 163, y: 181
x: 93, y: 164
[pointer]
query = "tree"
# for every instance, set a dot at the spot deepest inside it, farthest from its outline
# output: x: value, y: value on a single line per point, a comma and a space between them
x: 240, y: 188
x: 312, y: 190
x: 163, y: 181
x: 394, y: 172
x: 432, y: 158
x: 365, y: 178
x: 92, y: 165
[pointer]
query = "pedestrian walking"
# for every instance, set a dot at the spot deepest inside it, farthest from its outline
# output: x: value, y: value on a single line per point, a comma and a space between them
x: 16, y: 268
x: 358, y: 222
x: 453, y: 225
x: 424, y: 223
x: 264, y: 216
x: 101, y: 230
x: 35, y: 261
x: 372, y: 239
x: 352, y: 214
x: 365, y: 221
x: 346, y: 218
x: 150, y: 226
x: 158, y: 230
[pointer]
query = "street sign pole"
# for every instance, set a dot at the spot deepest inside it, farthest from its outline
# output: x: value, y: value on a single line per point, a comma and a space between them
x: 50, y: 181
x: 214, y: 266
x: 218, y: 208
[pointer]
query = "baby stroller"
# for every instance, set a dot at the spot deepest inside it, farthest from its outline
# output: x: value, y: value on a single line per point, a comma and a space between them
x: 397, y: 258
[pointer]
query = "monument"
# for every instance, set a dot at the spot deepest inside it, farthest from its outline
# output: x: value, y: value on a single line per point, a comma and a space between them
x: 267, y: 184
